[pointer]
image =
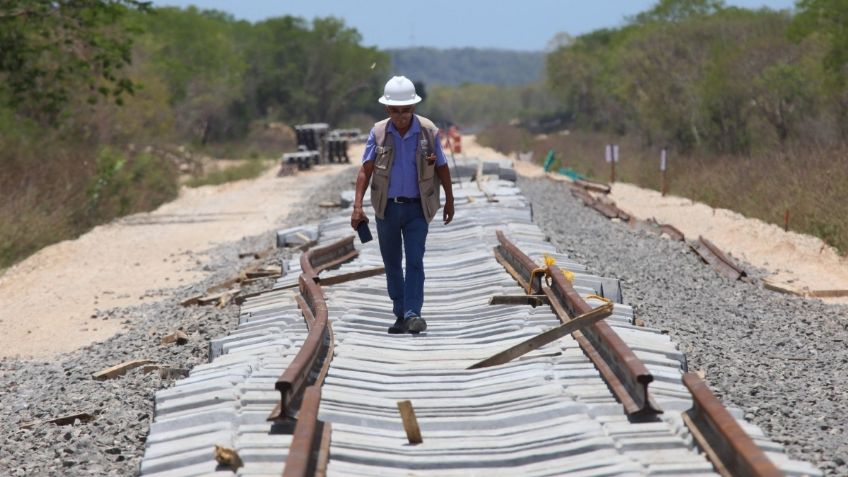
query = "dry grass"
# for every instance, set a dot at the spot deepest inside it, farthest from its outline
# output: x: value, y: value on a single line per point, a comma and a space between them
x: 53, y: 189
x: 810, y: 182
x: 249, y: 169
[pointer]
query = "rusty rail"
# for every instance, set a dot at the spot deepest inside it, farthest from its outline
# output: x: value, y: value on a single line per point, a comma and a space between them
x: 593, y: 186
x: 626, y: 375
x: 325, y: 258
x: 317, y: 343
x: 606, y: 207
x: 712, y: 255
x: 307, y: 454
x: 673, y: 232
x: 731, y: 451
x: 729, y: 448
x: 302, y: 460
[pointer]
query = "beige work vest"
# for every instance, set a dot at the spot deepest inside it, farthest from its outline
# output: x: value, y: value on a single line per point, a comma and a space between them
x: 428, y: 181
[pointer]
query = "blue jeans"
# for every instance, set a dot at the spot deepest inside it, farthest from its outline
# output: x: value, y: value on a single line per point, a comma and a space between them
x: 404, y: 229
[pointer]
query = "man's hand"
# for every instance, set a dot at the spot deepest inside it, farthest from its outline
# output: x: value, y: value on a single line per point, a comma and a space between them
x: 431, y: 159
x: 447, y: 215
x: 357, y: 216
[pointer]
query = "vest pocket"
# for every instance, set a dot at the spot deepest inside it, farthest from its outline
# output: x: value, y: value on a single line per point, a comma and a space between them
x: 428, y: 170
x: 429, y: 198
x: 381, y: 162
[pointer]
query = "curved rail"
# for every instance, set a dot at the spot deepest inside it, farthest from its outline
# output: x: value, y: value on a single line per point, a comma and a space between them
x: 310, y: 433
x: 294, y: 379
x: 626, y: 375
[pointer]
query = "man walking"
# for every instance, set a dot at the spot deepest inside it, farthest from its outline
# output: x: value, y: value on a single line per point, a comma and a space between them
x: 404, y: 157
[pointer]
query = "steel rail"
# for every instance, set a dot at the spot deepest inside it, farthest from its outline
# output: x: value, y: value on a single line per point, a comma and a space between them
x: 712, y: 255
x: 302, y: 460
x: 727, y: 445
x: 593, y: 186
x: 310, y: 434
x: 295, y: 377
x: 319, y: 259
x: 608, y: 210
x: 624, y: 373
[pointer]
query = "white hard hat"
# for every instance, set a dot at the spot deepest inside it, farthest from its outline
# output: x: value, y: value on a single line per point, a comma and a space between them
x: 399, y: 91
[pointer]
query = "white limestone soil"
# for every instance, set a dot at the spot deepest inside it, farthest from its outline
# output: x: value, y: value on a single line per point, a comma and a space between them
x: 797, y: 261
x: 47, y: 301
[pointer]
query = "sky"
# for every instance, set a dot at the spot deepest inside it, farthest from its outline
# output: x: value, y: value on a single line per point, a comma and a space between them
x: 527, y: 25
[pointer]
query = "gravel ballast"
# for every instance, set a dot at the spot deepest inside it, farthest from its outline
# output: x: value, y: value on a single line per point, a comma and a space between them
x: 112, y: 443
x: 780, y: 358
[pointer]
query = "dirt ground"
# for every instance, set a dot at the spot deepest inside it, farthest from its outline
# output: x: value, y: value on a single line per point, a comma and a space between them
x: 799, y: 262
x: 49, y: 302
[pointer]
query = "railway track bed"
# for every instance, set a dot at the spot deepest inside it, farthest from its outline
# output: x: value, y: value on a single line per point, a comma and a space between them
x: 547, y: 412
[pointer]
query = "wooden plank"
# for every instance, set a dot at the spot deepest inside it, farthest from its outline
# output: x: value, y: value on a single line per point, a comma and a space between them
x: 534, y: 300
x: 346, y: 277
x: 216, y: 297
x: 781, y: 288
x: 120, y: 369
x: 828, y: 293
x: 179, y: 337
x: 410, y: 423
x: 270, y: 271
x: 784, y: 288
x: 60, y: 421
x: 324, y: 450
x: 549, y: 336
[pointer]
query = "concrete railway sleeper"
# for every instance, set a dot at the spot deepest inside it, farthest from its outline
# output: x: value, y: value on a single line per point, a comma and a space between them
x: 322, y: 358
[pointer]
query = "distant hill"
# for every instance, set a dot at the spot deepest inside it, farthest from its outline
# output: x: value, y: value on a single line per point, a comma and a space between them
x: 456, y: 66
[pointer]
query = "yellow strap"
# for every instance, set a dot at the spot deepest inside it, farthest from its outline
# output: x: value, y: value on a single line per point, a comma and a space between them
x: 597, y: 297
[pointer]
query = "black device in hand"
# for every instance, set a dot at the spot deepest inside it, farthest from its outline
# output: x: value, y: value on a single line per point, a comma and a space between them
x: 364, y: 232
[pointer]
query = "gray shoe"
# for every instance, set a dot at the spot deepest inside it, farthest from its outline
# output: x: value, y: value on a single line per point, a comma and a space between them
x: 415, y: 324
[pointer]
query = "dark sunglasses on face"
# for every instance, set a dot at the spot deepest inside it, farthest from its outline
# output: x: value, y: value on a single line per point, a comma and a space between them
x: 406, y: 110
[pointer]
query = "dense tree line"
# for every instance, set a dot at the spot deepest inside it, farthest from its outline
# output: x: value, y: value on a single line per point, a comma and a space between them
x: 695, y: 74
x: 97, y: 95
x: 212, y: 73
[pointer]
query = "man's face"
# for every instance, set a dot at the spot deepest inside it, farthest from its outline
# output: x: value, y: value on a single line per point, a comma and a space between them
x: 401, y: 116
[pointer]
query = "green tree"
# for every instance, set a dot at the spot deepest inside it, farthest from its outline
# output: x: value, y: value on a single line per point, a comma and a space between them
x: 51, y: 49
x: 298, y: 73
x: 826, y: 18
x: 825, y: 21
x: 197, y: 54
x: 678, y: 10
